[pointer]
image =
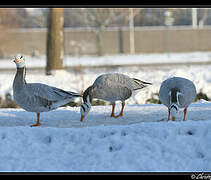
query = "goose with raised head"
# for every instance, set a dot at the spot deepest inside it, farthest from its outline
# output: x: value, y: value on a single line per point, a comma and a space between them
x: 37, y: 97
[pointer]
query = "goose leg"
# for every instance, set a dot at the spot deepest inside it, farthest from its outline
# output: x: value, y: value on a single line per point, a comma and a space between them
x: 113, y: 110
x: 185, y: 111
x: 38, y: 121
x: 121, y: 112
x: 168, y: 114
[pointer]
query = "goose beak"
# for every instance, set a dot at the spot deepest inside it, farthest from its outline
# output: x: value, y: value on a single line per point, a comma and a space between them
x: 16, y: 61
x: 173, y: 118
x: 82, y: 117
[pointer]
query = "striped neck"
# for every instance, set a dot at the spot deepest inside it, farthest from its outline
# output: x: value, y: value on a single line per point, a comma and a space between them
x: 87, y: 95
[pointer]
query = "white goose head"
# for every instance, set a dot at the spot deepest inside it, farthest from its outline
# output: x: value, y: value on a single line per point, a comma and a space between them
x: 173, y: 110
x: 19, y: 60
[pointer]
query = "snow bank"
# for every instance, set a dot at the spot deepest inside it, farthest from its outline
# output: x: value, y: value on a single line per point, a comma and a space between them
x: 155, y: 146
x: 117, y: 59
x: 141, y: 140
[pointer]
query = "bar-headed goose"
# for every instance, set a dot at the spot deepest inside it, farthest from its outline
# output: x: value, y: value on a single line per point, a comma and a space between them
x: 37, y: 97
x: 175, y: 93
x: 111, y: 87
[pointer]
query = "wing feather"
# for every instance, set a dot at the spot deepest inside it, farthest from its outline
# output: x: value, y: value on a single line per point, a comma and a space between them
x: 49, y: 93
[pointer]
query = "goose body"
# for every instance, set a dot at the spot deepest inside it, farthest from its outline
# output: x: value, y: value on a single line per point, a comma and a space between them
x: 111, y: 87
x: 175, y: 93
x: 37, y: 97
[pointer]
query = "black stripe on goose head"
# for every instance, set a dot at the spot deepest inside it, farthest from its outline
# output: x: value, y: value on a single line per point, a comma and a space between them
x: 174, y: 106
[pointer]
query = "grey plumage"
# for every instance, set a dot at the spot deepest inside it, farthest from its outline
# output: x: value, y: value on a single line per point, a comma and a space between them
x: 113, y: 87
x: 177, y: 91
x: 37, y: 97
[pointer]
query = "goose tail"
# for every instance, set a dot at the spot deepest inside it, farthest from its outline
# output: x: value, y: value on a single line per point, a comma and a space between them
x: 60, y: 103
x: 140, y: 84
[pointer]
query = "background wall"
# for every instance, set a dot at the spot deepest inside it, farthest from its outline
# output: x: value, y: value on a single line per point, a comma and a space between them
x: 83, y: 42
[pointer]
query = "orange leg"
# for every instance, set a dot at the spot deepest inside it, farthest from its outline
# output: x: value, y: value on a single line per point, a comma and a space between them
x: 113, y: 110
x: 168, y: 114
x: 185, y: 111
x: 121, y: 112
x: 38, y: 121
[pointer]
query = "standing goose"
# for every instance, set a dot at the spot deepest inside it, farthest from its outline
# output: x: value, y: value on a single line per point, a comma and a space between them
x: 175, y: 93
x: 37, y: 97
x: 111, y: 87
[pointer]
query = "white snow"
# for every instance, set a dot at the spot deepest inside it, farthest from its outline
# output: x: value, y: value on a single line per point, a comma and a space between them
x: 117, y: 59
x: 141, y: 140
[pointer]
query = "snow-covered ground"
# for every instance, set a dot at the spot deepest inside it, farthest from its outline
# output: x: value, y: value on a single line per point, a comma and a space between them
x: 141, y: 140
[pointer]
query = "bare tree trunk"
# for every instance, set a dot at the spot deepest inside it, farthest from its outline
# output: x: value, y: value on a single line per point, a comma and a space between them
x: 55, y: 40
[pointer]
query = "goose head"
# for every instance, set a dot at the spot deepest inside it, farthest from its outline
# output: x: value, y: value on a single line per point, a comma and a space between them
x: 173, y: 110
x: 19, y: 60
x: 174, y: 102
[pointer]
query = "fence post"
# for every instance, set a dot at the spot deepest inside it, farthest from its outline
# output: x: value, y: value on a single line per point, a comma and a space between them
x: 121, y: 50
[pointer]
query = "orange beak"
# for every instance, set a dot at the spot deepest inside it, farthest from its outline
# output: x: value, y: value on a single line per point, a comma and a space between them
x: 173, y: 118
x: 82, y: 117
x: 16, y: 61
